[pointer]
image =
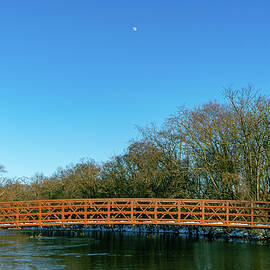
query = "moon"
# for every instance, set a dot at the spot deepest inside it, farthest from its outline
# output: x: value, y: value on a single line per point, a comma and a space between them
x: 134, y: 28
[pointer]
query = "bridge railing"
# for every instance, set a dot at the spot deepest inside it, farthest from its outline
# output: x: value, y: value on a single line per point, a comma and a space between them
x: 43, y: 213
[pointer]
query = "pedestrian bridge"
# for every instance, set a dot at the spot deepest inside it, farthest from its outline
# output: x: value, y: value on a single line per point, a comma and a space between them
x: 133, y: 211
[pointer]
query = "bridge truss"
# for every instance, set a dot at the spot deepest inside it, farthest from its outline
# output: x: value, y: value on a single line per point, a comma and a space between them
x: 132, y: 211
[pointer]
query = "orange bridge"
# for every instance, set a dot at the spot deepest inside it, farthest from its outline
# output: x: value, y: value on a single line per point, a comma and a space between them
x: 181, y: 212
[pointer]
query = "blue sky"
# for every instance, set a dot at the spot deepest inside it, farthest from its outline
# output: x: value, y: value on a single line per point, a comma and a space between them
x: 75, y: 78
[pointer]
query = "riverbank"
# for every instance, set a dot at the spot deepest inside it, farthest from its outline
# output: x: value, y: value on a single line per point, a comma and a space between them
x: 193, y: 231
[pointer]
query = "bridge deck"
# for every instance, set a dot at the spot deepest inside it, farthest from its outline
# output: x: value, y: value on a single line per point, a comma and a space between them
x: 181, y: 212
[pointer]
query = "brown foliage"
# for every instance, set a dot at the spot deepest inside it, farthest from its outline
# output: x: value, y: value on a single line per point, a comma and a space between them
x: 215, y: 150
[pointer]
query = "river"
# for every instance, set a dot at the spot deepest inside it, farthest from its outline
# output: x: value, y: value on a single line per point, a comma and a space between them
x: 110, y: 250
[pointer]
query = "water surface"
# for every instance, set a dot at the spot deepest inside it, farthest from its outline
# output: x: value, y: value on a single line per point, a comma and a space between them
x: 108, y: 250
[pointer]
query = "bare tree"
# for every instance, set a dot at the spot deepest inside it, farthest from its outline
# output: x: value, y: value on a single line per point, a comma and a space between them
x: 251, y: 132
x: 219, y: 151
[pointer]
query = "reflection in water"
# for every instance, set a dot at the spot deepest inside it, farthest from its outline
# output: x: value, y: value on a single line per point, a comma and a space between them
x: 107, y: 250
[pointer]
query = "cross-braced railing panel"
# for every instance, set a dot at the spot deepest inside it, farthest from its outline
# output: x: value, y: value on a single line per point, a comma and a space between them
x: 135, y: 211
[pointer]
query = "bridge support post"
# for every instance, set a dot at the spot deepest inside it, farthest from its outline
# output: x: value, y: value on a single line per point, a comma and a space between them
x: 155, y: 212
x: 85, y: 212
x: 132, y: 212
x: 109, y: 212
x: 227, y: 213
x: 179, y: 212
x: 203, y: 211
x: 17, y: 217
x: 39, y: 215
x: 63, y: 214
x: 252, y: 215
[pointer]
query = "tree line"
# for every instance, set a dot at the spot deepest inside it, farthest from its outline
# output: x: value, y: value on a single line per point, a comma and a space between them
x: 215, y: 150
